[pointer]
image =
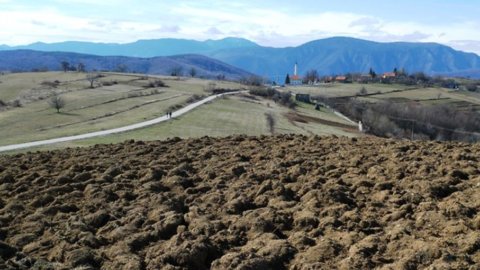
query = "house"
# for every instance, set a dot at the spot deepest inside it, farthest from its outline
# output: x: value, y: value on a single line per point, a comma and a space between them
x: 341, y: 79
x: 389, y: 75
x: 364, y: 78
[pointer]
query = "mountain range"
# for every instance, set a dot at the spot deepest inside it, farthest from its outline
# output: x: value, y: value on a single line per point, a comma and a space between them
x: 27, y: 60
x: 328, y: 56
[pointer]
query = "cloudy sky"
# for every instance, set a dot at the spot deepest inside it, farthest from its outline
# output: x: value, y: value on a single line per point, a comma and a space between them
x: 276, y: 23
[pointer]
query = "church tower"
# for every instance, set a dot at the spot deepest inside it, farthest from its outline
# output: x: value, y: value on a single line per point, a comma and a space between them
x: 295, y: 79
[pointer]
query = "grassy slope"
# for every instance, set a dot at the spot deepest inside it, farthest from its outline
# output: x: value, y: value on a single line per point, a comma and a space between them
x: 424, y: 95
x: 343, y: 89
x: 86, y: 109
x: 224, y: 117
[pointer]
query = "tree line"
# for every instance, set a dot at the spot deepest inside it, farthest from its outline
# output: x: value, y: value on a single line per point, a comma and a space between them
x: 411, y: 120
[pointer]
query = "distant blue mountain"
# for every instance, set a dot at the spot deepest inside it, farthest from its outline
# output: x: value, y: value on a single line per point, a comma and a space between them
x: 341, y: 55
x: 329, y: 56
x: 28, y: 60
x: 141, y: 48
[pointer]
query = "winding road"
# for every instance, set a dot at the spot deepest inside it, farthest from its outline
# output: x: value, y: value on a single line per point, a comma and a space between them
x: 115, y: 130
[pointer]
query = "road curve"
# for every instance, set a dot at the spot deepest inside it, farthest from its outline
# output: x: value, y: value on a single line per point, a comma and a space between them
x: 115, y: 130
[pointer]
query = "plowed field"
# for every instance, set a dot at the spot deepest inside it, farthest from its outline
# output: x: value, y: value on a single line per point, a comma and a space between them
x: 282, y: 202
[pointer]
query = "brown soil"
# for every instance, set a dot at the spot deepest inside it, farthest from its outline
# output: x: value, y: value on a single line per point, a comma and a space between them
x: 284, y: 202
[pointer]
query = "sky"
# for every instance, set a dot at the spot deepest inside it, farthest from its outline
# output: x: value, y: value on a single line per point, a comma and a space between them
x: 279, y: 23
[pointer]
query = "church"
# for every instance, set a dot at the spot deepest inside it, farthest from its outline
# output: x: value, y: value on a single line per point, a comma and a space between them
x: 295, y: 79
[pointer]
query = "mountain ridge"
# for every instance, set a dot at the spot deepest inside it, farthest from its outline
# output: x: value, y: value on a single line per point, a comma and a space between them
x: 329, y: 56
x: 28, y: 60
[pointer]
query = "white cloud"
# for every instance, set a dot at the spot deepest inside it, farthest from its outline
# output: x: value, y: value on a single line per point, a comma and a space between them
x: 195, y: 20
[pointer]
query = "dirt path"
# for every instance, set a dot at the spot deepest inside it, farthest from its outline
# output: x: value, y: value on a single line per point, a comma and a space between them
x: 115, y: 130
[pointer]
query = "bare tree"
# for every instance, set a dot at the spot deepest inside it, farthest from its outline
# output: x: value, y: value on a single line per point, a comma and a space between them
x: 311, y: 76
x: 270, y: 122
x: 192, y: 72
x: 81, y: 67
x: 92, y: 78
x: 65, y: 66
x: 56, y: 102
x: 176, y: 71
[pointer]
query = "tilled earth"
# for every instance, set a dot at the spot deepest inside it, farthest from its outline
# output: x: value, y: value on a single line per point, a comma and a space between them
x: 283, y: 202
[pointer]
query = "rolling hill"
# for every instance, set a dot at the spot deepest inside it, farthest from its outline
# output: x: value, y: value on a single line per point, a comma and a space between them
x: 27, y: 60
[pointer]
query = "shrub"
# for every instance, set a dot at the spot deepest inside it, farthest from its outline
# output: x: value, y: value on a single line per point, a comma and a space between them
x: 471, y: 87
x: 53, y: 84
x: 194, y: 98
x: 210, y: 87
x: 363, y: 91
x: 134, y: 94
x: 155, y: 83
x: 109, y: 83
x: 16, y: 103
x: 263, y: 92
x: 284, y: 98
x: 252, y: 80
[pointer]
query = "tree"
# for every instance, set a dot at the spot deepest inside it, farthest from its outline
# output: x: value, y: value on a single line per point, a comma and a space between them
x: 65, y: 66
x: 92, y: 78
x: 122, y: 68
x: 56, y: 102
x: 81, y: 67
x: 192, y: 72
x: 372, y: 73
x: 311, y: 76
x: 287, y: 79
x: 270, y: 122
x: 252, y: 80
x: 176, y: 71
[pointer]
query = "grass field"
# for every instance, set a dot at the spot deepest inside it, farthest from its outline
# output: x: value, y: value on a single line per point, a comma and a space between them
x: 126, y: 101
x: 229, y: 116
x: 343, y: 89
x: 398, y: 93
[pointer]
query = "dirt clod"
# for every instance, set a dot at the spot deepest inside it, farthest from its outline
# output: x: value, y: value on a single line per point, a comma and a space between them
x: 279, y: 202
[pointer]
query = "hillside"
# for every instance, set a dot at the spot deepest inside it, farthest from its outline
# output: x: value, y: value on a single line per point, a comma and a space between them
x: 283, y: 202
x: 27, y: 60
x: 342, y: 55
x: 329, y: 56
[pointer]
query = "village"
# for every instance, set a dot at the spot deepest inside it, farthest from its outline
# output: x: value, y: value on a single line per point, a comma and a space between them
x: 312, y: 77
